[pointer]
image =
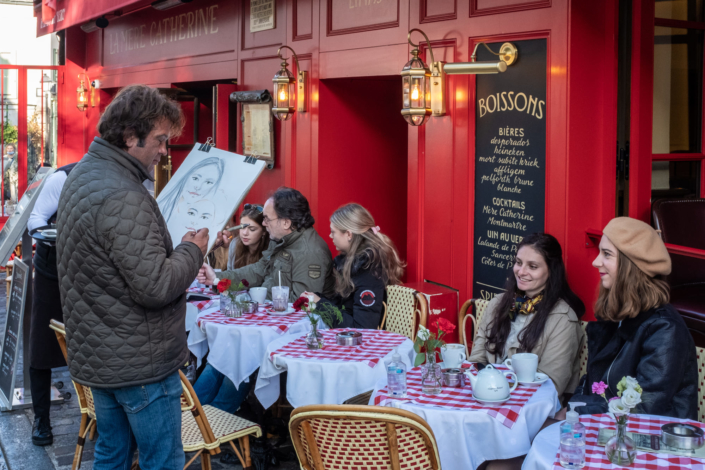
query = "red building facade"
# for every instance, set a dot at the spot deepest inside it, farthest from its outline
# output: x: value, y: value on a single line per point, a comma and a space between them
x: 352, y: 144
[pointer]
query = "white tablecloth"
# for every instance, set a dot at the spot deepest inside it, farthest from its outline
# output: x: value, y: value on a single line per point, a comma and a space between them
x: 467, y: 438
x: 236, y: 351
x: 320, y: 382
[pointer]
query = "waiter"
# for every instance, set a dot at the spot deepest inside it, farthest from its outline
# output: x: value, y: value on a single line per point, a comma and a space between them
x: 44, y: 351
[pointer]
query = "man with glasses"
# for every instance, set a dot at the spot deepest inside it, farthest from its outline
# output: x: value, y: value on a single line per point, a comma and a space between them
x: 296, y: 251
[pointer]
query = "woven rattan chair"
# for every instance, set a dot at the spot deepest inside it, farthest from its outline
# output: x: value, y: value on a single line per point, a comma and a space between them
x: 700, y: 353
x: 404, y: 311
x: 352, y: 437
x: 479, y: 307
x: 583, y: 355
x: 85, y: 400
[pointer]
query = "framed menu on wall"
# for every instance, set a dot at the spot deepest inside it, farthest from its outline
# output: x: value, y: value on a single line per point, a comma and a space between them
x: 510, y: 163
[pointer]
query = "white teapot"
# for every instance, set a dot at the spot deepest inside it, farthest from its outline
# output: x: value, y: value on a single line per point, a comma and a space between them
x: 491, y: 384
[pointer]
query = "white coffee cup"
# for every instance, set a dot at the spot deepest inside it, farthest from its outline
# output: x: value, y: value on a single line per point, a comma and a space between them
x: 453, y: 355
x: 258, y: 294
x: 524, y: 365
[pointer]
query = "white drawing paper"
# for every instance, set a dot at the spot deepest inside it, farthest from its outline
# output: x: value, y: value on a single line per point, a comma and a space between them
x: 206, y: 190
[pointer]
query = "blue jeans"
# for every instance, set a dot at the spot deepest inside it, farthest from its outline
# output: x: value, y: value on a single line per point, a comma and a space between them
x: 215, y: 389
x: 146, y: 417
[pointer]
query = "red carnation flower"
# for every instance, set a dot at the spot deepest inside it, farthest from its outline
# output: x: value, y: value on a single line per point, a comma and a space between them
x: 300, y: 303
x: 224, y: 285
x: 245, y: 283
x: 445, y: 325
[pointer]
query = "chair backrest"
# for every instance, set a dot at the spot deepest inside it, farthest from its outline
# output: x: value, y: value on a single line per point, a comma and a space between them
x: 700, y: 353
x: 470, y: 321
x: 402, y: 314
x: 190, y: 402
x: 583, y: 354
x: 353, y: 436
x: 83, y: 393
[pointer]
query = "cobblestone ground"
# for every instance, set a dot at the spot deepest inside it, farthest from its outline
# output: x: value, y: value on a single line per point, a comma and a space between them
x: 18, y: 453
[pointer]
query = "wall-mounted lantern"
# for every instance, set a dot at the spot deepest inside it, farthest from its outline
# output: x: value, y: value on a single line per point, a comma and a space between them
x: 289, y: 93
x: 82, y: 93
x: 424, y: 89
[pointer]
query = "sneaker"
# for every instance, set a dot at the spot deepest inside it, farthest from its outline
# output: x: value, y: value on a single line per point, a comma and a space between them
x: 41, y: 432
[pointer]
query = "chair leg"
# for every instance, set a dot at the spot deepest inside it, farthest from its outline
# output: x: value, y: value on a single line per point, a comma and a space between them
x: 206, y: 461
x: 91, y: 436
x: 238, y: 454
x: 245, y: 443
x: 193, y: 458
x: 79, y: 445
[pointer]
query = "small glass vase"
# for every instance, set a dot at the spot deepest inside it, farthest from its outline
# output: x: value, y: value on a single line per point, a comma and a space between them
x: 225, y: 303
x: 314, y: 339
x: 431, y: 379
x: 620, y: 448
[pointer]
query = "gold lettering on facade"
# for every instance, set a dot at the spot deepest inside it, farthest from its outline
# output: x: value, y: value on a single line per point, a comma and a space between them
x: 172, y: 29
x: 362, y: 3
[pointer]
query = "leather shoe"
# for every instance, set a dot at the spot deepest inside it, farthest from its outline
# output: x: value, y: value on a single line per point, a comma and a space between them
x: 41, y: 432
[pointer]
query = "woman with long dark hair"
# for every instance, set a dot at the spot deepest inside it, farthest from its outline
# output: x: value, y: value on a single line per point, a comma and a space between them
x: 251, y: 241
x: 539, y: 313
x: 368, y: 262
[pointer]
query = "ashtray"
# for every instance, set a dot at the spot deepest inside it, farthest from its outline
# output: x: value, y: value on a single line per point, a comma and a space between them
x: 349, y: 338
x: 453, y: 378
x: 250, y: 307
x: 682, y: 436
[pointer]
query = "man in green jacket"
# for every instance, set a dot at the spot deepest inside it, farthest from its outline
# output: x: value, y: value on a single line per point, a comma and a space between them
x: 296, y: 251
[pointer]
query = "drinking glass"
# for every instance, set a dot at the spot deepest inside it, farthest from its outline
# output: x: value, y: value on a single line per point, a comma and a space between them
x: 280, y: 298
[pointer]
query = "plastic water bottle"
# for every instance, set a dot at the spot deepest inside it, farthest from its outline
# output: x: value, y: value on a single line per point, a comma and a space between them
x: 396, y: 376
x: 572, y: 440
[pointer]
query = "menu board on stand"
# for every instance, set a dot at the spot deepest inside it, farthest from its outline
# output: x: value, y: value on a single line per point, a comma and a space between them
x: 13, y: 333
x: 510, y: 163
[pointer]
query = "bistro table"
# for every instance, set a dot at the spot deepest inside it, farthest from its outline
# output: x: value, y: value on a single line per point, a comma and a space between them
x: 544, y: 453
x: 237, y: 345
x: 469, y: 433
x: 330, y: 375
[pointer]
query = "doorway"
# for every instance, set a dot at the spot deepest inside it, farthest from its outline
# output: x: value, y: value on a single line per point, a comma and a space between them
x: 363, y: 153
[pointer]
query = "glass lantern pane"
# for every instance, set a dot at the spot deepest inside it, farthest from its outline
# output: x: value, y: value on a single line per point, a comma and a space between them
x: 417, y: 92
x: 292, y: 95
x: 405, y: 90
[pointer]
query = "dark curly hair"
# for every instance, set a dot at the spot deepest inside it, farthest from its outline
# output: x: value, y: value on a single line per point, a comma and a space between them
x: 291, y: 204
x: 136, y: 110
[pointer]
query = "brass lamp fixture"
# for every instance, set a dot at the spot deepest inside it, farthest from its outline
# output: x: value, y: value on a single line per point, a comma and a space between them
x: 82, y: 93
x: 424, y: 89
x: 289, y: 93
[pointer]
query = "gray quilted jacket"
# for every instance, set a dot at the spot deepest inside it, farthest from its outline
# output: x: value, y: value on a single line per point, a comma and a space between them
x: 122, y: 283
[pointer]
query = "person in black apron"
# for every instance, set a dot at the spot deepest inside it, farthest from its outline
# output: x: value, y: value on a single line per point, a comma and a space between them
x: 44, y: 351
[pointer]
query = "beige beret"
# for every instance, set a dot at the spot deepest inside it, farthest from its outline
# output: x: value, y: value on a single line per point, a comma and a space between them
x: 640, y: 243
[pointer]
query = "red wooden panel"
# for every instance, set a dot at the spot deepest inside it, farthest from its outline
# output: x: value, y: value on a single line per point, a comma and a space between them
x: 224, y: 121
x: 355, y: 16
x: 147, y: 36
x: 369, y: 169
x: 257, y: 75
x: 303, y: 19
x: 493, y: 7
x: 268, y: 38
x: 300, y: 138
x: 437, y: 10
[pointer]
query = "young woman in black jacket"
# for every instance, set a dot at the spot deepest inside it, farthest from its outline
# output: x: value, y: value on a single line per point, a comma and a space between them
x: 638, y: 333
x: 368, y: 262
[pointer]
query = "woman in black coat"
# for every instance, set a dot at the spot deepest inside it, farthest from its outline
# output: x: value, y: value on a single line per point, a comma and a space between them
x: 638, y: 333
x: 368, y: 262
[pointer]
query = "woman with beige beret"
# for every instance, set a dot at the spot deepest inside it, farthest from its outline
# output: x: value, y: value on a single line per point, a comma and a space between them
x: 638, y: 333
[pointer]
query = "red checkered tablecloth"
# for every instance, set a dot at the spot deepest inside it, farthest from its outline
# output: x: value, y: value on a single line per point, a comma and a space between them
x: 280, y: 324
x: 375, y: 345
x: 595, y: 457
x: 461, y: 398
x: 203, y: 304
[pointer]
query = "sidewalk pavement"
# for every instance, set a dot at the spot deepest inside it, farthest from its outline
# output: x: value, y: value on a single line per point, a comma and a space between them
x: 17, y: 451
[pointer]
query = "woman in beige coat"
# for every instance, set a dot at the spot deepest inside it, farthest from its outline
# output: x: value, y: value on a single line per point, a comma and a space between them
x: 541, y: 316
x: 539, y: 313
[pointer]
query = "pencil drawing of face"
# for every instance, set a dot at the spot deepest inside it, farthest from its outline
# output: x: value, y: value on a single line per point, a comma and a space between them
x: 199, y: 214
x: 200, y: 182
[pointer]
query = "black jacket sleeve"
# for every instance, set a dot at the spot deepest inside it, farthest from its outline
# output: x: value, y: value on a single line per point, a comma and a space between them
x: 367, y: 302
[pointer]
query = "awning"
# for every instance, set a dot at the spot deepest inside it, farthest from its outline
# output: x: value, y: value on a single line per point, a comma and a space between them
x: 67, y: 13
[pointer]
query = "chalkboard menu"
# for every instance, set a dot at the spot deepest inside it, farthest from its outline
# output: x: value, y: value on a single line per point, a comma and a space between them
x: 510, y: 163
x: 13, y: 333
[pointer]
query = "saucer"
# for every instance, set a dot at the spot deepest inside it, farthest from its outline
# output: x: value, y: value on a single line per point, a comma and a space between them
x: 491, y: 402
x: 539, y: 379
x: 49, y: 233
x: 286, y: 312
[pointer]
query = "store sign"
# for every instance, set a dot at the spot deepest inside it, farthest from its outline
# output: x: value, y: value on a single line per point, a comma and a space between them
x: 194, y: 29
x: 510, y: 164
x: 261, y: 15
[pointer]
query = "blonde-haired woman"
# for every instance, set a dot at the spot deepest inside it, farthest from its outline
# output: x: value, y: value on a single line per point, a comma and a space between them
x: 368, y: 262
x: 638, y: 333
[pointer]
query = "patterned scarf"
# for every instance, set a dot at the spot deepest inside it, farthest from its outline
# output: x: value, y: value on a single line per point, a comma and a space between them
x: 524, y: 306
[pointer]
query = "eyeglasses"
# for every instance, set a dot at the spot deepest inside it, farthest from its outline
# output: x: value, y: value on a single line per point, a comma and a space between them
x: 268, y: 220
x: 256, y: 207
